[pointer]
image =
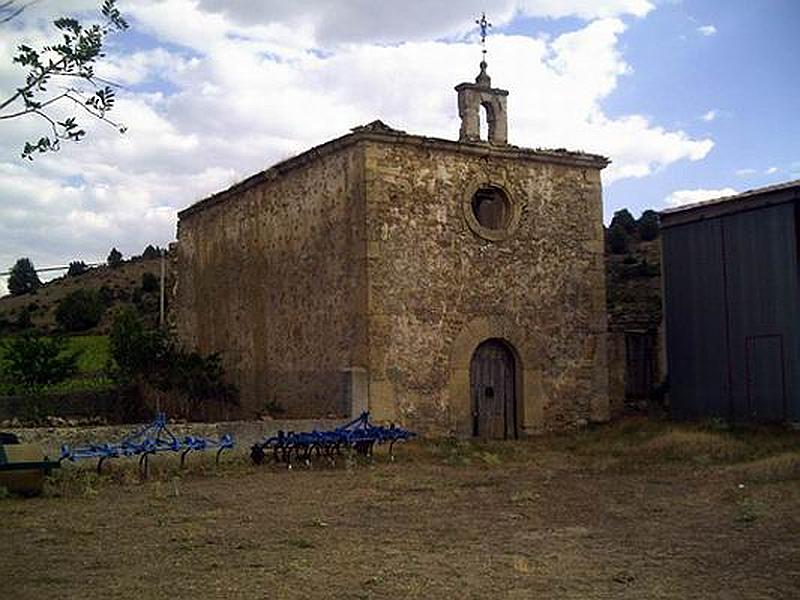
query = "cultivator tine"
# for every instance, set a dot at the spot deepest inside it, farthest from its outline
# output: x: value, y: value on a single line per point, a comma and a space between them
x: 143, y: 465
x: 183, y: 456
x: 257, y: 454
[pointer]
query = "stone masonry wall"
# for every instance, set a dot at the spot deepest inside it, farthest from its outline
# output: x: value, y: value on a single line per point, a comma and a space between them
x: 437, y: 289
x: 273, y: 277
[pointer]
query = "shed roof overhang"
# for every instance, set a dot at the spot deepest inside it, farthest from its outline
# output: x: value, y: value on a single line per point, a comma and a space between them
x: 716, y: 207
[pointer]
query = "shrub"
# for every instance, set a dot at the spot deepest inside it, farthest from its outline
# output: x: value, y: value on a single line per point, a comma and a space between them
x: 106, y: 295
x: 618, y: 239
x: 80, y: 310
x: 136, y: 351
x: 24, y: 318
x: 150, y: 283
x: 31, y: 362
x: 152, y: 358
x: 77, y: 267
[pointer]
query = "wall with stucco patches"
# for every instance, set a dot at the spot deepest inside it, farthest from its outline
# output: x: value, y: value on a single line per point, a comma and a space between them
x: 271, y: 273
x: 437, y: 288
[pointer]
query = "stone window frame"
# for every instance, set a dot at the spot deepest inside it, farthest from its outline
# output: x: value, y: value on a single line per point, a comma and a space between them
x: 492, y: 235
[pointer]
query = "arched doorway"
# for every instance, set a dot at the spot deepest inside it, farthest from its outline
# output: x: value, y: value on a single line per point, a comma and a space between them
x: 492, y: 377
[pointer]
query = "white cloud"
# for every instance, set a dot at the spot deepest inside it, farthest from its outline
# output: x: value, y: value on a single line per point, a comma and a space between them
x: 681, y: 197
x: 707, y: 30
x: 771, y: 171
x: 222, y: 98
x: 348, y: 21
x: 709, y: 116
x: 746, y: 172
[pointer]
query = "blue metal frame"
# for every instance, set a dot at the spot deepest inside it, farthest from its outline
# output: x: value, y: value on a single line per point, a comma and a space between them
x: 150, y: 439
x: 358, y: 435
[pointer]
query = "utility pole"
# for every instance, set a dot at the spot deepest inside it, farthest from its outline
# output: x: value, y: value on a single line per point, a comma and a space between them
x: 161, y: 310
x: 163, y: 282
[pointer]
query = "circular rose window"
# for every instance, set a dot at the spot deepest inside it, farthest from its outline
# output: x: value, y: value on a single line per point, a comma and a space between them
x: 491, y: 208
x: 490, y: 211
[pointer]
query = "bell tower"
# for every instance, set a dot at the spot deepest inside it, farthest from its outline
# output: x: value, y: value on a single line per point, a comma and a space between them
x: 473, y: 96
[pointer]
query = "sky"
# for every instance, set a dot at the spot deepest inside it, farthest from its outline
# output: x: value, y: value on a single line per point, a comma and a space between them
x: 690, y: 99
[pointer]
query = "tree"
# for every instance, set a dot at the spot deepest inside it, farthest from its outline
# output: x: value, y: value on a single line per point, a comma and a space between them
x: 71, y: 62
x: 649, y: 225
x: 23, y: 278
x: 31, y: 362
x: 151, y: 252
x: 136, y: 351
x: 153, y: 358
x: 80, y: 310
x: 624, y: 219
x: 77, y: 267
x: 618, y: 238
x: 114, y: 258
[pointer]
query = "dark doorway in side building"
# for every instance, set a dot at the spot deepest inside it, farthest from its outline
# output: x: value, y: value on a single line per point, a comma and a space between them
x: 640, y: 364
x: 492, y: 377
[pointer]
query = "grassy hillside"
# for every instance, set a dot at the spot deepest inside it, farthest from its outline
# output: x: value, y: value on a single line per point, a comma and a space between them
x: 120, y: 286
x: 92, y: 361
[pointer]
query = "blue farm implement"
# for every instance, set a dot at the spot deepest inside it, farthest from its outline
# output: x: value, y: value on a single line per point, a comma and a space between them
x: 358, y: 436
x: 149, y: 440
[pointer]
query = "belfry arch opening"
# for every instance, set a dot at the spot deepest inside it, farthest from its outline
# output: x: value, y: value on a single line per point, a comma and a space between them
x: 484, y: 121
x: 493, y: 390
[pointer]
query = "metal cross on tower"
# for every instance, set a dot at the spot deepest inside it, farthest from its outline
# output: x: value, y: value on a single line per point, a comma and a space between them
x: 484, y: 25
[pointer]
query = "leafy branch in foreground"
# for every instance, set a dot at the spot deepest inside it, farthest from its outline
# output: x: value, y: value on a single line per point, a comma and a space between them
x: 71, y: 61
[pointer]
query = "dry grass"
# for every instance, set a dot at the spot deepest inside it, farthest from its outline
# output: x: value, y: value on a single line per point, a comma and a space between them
x: 637, y: 510
x: 780, y: 467
x: 698, y: 446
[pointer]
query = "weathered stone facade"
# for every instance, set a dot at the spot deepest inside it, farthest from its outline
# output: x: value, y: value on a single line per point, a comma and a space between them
x: 359, y: 275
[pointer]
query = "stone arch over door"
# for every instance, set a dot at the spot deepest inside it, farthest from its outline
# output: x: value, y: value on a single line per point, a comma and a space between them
x: 492, y: 380
x: 528, y: 388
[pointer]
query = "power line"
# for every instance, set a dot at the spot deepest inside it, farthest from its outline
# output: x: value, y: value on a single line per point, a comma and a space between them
x: 64, y: 268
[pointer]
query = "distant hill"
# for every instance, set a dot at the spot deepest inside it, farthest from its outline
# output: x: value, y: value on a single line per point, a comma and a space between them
x: 119, y: 286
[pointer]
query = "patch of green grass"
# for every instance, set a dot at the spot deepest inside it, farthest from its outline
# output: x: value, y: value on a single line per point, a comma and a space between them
x: 81, y: 384
x: 749, y: 510
x: 94, y: 352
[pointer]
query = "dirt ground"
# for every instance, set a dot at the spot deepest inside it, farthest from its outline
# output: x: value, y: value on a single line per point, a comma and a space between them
x: 637, y: 510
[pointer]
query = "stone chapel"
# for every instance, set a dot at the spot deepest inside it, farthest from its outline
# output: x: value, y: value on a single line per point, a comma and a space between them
x: 456, y: 287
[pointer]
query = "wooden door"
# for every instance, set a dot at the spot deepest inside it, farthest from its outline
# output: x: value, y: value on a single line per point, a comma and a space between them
x: 492, y: 380
x: 639, y: 364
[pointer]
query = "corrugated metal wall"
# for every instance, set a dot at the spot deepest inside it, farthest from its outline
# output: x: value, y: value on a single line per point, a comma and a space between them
x: 732, y: 302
